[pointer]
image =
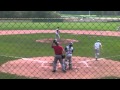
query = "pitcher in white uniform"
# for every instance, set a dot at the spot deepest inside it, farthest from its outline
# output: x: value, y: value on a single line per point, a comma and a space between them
x: 69, y: 52
x: 57, y: 34
x: 97, y: 47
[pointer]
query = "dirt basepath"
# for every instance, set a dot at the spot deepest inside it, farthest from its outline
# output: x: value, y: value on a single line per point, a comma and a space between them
x: 76, y: 32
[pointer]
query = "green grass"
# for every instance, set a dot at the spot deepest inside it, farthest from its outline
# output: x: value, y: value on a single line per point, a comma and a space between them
x: 110, y: 77
x: 11, y: 76
x: 105, y: 26
x: 25, y: 46
x: 4, y: 59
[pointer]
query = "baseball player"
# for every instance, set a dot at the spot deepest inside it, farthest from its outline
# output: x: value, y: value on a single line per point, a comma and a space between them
x: 59, y: 51
x: 97, y: 47
x: 69, y: 52
x: 118, y: 28
x: 57, y: 36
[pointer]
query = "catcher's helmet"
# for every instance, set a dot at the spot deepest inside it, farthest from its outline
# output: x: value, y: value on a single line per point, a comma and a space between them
x: 71, y: 43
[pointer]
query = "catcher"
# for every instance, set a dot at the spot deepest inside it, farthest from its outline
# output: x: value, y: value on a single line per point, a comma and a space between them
x: 69, y: 52
x: 59, y: 54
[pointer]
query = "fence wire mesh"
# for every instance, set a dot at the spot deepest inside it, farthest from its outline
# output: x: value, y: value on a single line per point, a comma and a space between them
x: 91, y: 47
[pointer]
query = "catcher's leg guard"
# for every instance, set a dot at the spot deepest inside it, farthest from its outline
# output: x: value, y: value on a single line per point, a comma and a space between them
x: 70, y: 63
x: 69, y: 58
x: 70, y: 66
x: 65, y: 64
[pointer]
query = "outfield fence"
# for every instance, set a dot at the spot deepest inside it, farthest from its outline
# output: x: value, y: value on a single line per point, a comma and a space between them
x: 26, y: 51
x: 72, y: 19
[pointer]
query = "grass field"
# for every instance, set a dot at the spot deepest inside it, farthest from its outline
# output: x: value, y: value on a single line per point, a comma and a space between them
x: 112, y: 77
x: 10, y: 76
x: 25, y: 45
x: 104, y: 26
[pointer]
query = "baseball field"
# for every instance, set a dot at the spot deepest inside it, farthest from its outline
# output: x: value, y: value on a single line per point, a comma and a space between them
x: 104, y: 26
x: 18, y: 41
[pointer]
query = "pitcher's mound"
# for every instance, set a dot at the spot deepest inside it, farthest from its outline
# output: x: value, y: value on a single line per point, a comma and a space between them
x: 49, y: 40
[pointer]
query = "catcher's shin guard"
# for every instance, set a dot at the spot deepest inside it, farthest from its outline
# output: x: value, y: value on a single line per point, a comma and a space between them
x: 66, y: 64
x: 70, y: 66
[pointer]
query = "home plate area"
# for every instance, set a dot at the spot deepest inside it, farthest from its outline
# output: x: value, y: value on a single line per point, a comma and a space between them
x: 41, y: 68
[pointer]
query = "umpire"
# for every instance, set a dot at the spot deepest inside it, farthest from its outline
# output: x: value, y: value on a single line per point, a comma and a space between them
x: 59, y: 51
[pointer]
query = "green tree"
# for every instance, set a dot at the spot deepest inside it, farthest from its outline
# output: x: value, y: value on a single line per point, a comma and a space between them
x: 29, y: 14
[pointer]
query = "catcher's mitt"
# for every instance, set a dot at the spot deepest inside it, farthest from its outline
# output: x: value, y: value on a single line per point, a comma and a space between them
x: 63, y: 56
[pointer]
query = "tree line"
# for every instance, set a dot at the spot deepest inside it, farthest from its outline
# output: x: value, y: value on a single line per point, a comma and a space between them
x: 52, y: 14
x: 29, y: 14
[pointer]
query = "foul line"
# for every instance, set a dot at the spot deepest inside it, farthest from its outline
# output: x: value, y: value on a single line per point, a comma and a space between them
x: 28, y: 58
x: 42, y: 62
x: 85, y: 61
x: 99, y: 58
x: 10, y: 56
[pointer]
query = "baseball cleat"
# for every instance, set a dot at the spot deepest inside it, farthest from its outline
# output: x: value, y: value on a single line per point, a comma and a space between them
x: 54, y: 71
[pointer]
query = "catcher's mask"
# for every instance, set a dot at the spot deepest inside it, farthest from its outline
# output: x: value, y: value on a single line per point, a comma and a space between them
x: 71, y: 44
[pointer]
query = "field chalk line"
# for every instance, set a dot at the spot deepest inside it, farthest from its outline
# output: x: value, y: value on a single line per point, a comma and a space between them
x: 84, y: 62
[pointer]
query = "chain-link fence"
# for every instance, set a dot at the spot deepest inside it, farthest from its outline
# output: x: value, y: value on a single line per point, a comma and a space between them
x: 32, y: 48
